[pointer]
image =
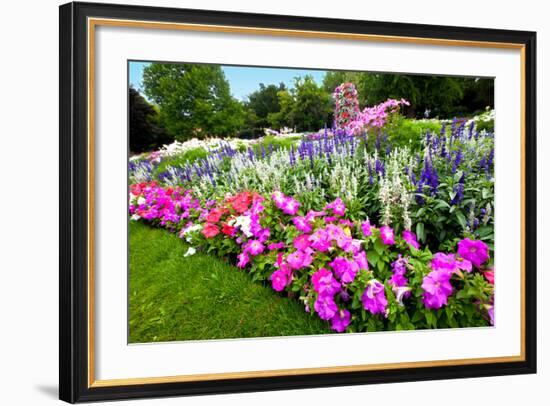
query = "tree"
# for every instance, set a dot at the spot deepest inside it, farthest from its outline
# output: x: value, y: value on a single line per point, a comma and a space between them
x: 335, y: 78
x: 306, y: 106
x: 145, y: 131
x: 194, y: 100
x: 312, y: 107
x: 284, y: 117
x: 442, y: 96
x: 263, y: 102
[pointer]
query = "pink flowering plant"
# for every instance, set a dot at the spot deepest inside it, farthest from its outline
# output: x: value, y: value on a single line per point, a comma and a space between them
x: 353, y: 274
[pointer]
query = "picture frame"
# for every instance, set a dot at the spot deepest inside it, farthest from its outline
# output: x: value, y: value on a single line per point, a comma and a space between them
x: 79, y: 164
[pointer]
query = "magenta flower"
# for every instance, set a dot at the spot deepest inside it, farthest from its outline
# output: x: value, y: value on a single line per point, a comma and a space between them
x: 276, y: 246
x: 262, y: 235
x: 345, y: 243
x: 278, y: 198
x: 254, y: 247
x: 344, y: 269
x: 324, y: 283
x: 334, y: 232
x: 340, y: 321
x: 474, y: 251
x: 437, y: 288
x: 361, y: 260
x: 374, y: 297
x: 465, y: 265
x: 325, y: 307
x: 302, y: 242
x: 410, y: 238
x: 366, y: 228
x: 299, y: 259
x: 444, y: 263
x: 244, y: 259
x: 280, y: 279
x: 346, y: 223
x: 302, y: 224
x: 312, y: 214
x: 290, y: 206
x: 319, y: 240
x: 337, y: 206
x: 386, y: 234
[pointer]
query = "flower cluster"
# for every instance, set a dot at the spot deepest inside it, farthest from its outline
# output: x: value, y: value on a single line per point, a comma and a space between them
x: 334, y: 263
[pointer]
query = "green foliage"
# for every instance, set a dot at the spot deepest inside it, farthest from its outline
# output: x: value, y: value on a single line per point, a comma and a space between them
x: 173, y: 297
x: 443, y: 96
x: 264, y: 101
x: 406, y: 132
x: 189, y: 156
x: 145, y: 132
x: 194, y: 100
x: 306, y: 106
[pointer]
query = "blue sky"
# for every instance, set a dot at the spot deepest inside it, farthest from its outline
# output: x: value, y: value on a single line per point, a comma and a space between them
x: 242, y: 80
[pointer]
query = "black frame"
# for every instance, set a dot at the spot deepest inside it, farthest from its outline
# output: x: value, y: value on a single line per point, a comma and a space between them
x: 73, y: 327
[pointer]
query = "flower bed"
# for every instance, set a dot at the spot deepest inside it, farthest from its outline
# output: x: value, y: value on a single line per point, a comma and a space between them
x: 355, y: 275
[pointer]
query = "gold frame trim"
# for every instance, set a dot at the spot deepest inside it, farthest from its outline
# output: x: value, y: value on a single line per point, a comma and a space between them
x: 94, y: 22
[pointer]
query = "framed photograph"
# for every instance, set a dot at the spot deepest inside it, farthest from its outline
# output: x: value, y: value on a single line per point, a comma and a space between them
x: 256, y: 202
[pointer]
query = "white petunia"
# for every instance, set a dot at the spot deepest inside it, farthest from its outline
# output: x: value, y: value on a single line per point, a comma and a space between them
x: 190, y: 251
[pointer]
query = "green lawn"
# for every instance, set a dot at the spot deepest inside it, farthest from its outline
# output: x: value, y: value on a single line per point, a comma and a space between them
x: 173, y: 297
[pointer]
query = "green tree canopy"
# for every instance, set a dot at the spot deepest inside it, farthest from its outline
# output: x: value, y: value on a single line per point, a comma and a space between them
x: 265, y: 101
x: 306, y: 106
x: 145, y: 131
x: 194, y: 100
x: 444, y: 96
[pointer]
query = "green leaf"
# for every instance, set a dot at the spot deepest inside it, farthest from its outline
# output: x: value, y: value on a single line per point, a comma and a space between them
x: 373, y: 257
x: 379, y: 246
x: 420, y: 232
x: 461, y: 219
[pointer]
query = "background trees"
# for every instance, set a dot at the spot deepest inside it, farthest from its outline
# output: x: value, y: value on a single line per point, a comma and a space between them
x: 194, y: 100
x: 306, y: 106
x: 145, y: 131
x: 190, y: 100
x: 439, y: 96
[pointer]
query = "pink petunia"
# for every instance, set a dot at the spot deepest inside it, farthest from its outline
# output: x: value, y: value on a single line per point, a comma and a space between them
x: 474, y: 251
x: 374, y: 297
x: 366, y: 228
x: 280, y: 279
x: 302, y: 242
x: 410, y: 238
x: 302, y: 224
x: 337, y: 206
x: 340, y: 321
x: 386, y: 234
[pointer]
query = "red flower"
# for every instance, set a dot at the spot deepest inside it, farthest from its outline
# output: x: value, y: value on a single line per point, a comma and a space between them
x: 210, y: 230
x: 228, y: 230
x: 490, y: 276
x: 241, y: 202
x: 214, y: 215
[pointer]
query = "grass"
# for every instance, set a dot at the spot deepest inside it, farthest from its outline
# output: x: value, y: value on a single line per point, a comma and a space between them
x: 173, y: 297
x: 181, y: 159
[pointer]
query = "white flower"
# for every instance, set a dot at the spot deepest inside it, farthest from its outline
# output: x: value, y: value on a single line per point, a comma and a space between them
x: 135, y: 217
x: 141, y: 200
x: 399, y: 292
x: 244, y: 224
x: 190, y: 251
